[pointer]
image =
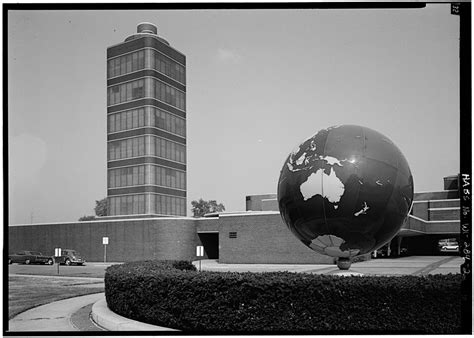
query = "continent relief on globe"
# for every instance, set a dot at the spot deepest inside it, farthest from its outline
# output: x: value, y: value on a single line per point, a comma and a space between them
x: 345, y: 191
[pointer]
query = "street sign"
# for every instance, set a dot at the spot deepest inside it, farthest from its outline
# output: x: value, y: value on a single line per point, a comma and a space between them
x: 105, y: 241
x: 199, y: 253
x: 57, y: 253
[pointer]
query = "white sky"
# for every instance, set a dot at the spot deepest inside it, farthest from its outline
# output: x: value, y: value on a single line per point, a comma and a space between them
x: 258, y: 83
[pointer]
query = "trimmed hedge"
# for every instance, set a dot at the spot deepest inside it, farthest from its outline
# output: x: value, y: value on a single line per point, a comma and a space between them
x: 173, y: 294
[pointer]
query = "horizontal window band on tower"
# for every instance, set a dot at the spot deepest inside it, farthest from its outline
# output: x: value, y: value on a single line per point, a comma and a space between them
x: 156, y: 51
x: 126, y: 64
x: 128, y: 176
x: 126, y: 120
x: 145, y: 62
x: 145, y: 160
x: 138, y: 204
x: 146, y: 102
x: 147, y: 117
x: 146, y: 73
x: 153, y: 164
x: 113, y: 110
x: 146, y: 188
x: 146, y: 131
x: 148, y: 145
x: 150, y: 174
x: 127, y: 205
x: 149, y: 84
x: 146, y: 41
x: 147, y: 87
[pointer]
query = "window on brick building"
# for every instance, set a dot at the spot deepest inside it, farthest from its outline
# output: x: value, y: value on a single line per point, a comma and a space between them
x: 232, y: 234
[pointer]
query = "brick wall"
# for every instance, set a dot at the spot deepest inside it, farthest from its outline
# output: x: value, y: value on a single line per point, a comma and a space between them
x: 440, y: 214
x: 129, y: 240
x: 270, y: 204
x: 254, y: 202
x: 420, y: 209
x: 207, y: 224
x: 263, y: 239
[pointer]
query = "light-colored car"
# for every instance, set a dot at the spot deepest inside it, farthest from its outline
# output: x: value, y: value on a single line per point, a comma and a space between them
x: 450, y: 247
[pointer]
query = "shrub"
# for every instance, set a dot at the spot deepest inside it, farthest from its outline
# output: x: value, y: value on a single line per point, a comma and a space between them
x: 184, y: 265
x: 160, y: 293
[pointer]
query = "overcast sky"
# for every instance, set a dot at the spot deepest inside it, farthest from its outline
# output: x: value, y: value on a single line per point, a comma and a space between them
x: 258, y: 83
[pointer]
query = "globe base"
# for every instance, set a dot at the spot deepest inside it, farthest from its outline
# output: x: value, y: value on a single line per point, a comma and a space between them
x: 344, y: 263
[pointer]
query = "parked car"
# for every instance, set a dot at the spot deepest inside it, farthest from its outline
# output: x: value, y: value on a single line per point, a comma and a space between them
x: 379, y: 253
x: 450, y: 247
x: 30, y: 257
x: 69, y: 257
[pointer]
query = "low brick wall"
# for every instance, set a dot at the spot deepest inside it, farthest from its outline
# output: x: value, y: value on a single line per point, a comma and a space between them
x: 129, y: 240
x: 263, y: 238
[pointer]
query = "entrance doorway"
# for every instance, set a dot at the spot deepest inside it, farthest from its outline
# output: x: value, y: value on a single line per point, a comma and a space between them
x: 210, y: 241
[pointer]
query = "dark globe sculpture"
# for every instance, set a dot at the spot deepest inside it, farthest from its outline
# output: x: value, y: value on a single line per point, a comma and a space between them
x: 345, y: 192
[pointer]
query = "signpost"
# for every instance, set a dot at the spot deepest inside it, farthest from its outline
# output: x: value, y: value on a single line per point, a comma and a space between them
x: 199, y: 253
x: 57, y: 253
x: 105, y: 241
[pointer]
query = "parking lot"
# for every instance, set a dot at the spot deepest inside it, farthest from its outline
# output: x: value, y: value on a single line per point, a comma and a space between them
x: 93, y: 270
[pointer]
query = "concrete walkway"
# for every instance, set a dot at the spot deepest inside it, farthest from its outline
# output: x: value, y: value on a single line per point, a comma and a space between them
x: 77, y: 314
x: 55, y: 316
x: 413, y: 265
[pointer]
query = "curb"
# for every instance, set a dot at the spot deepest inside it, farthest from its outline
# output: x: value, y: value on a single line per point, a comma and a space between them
x: 109, y: 320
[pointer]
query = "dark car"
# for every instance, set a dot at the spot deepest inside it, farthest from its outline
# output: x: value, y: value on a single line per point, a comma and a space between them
x: 69, y: 257
x: 30, y: 257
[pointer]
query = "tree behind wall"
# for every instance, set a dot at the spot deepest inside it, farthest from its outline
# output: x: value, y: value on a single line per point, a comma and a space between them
x: 101, y: 207
x: 100, y: 210
x: 202, y: 207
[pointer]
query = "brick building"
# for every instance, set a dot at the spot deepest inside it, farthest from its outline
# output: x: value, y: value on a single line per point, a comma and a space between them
x: 146, y: 126
x: 257, y: 236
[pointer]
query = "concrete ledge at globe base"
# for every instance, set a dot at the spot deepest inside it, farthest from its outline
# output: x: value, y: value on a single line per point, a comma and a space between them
x: 111, y: 321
